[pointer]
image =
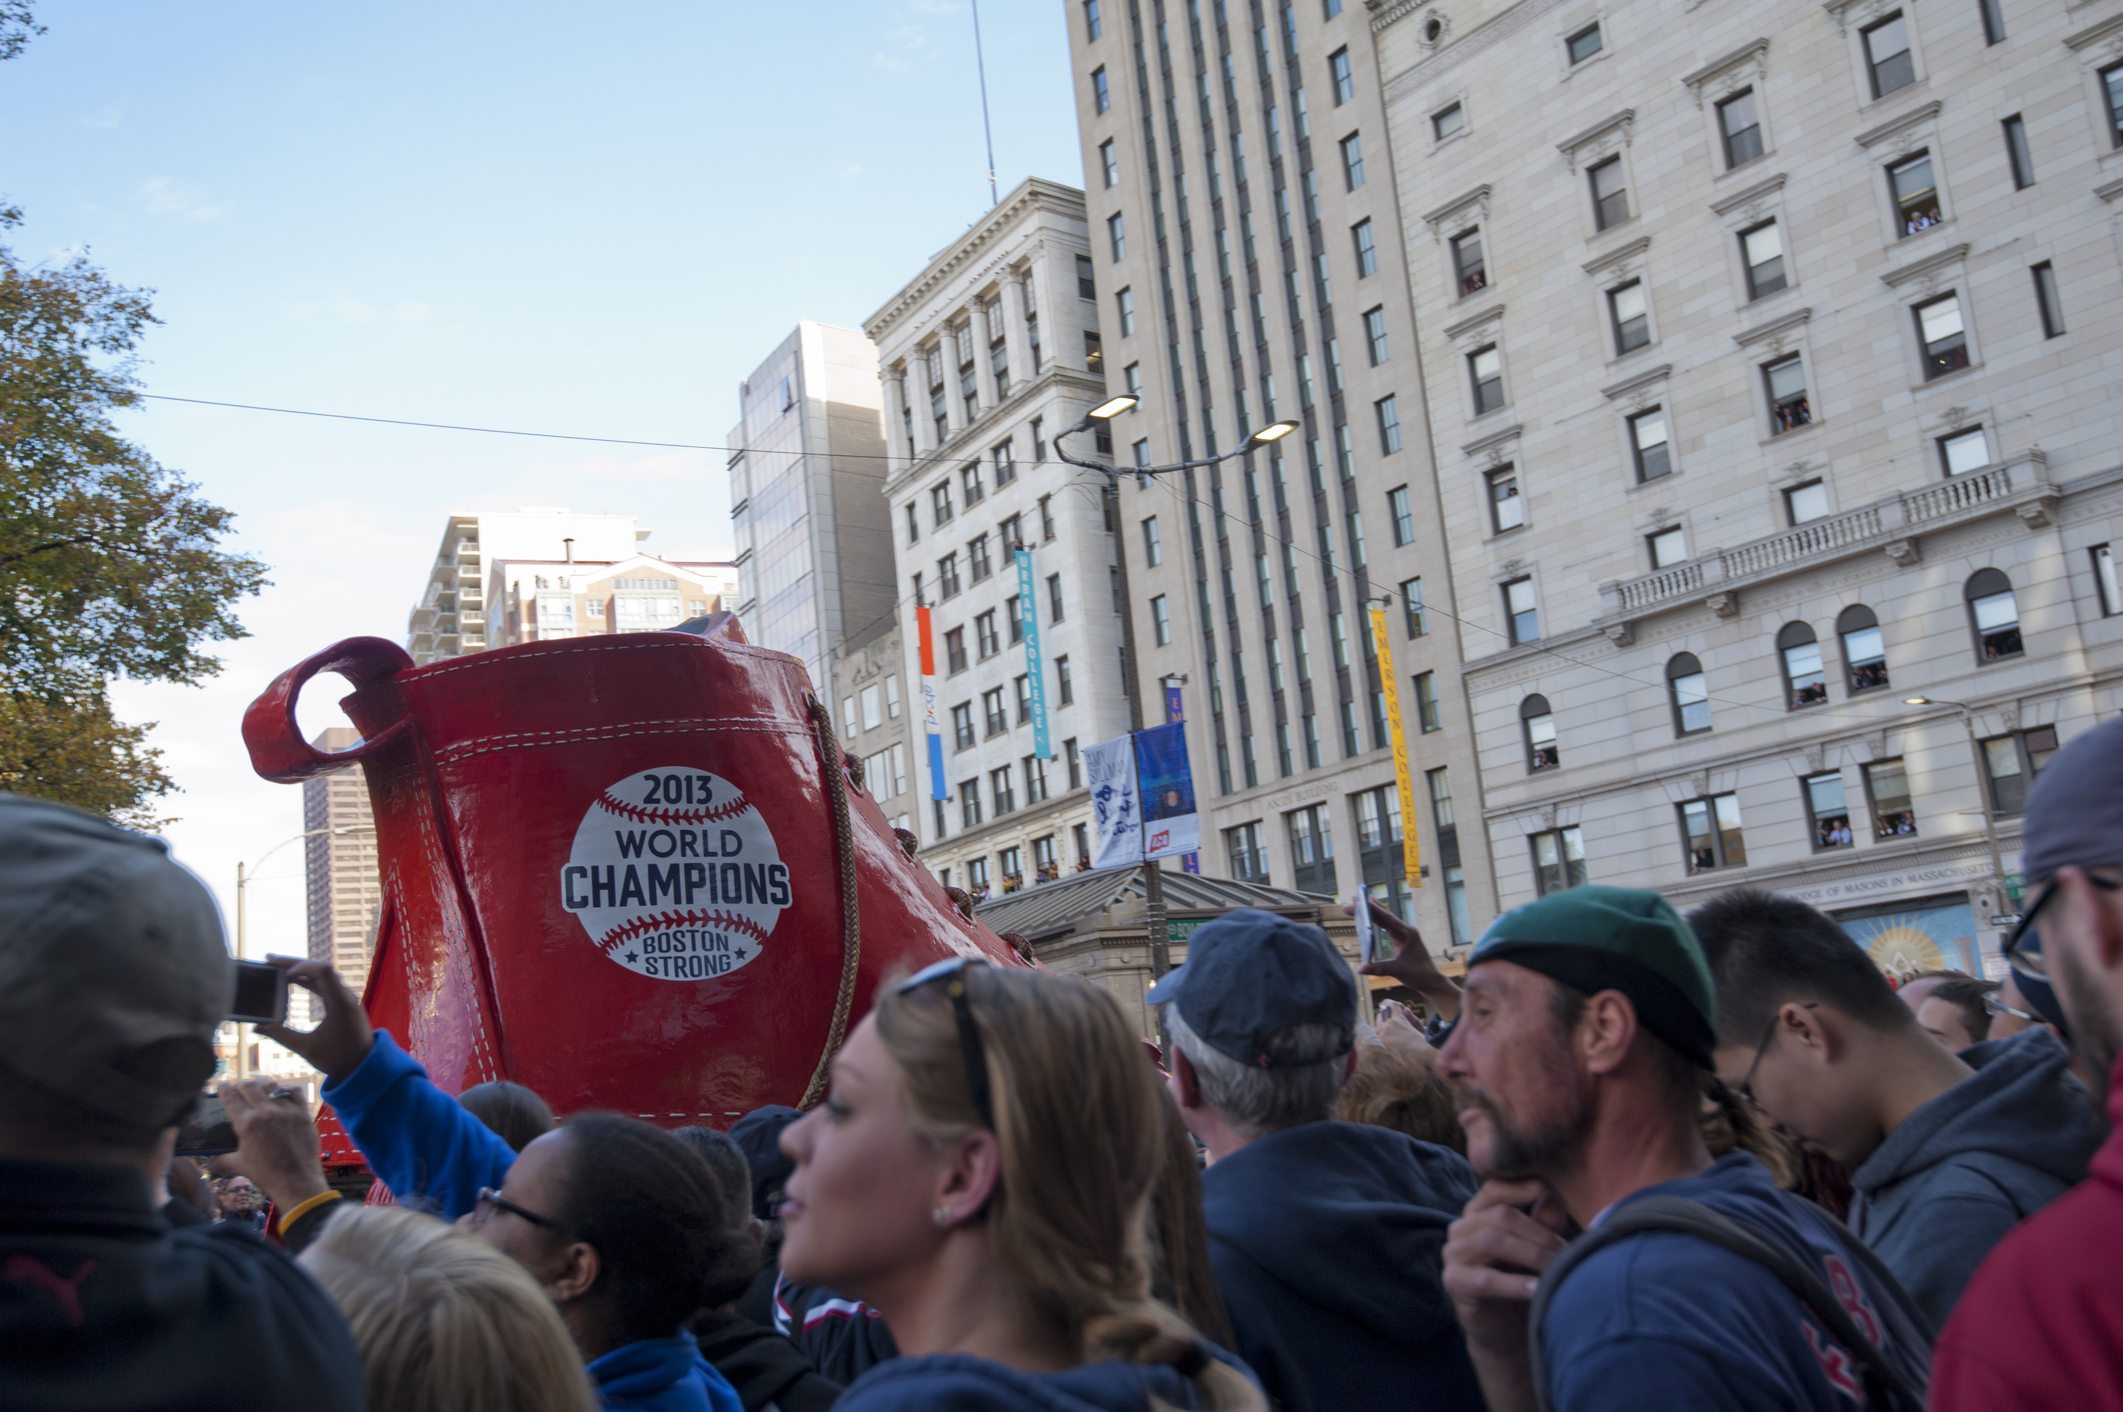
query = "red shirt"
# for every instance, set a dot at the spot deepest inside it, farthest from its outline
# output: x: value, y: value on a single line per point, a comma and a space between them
x: 2041, y: 1324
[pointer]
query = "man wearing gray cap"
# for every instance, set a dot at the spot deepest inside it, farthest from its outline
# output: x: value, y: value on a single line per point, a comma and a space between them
x: 2041, y: 1325
x: 113, y: 977
x: 1327, y: 1237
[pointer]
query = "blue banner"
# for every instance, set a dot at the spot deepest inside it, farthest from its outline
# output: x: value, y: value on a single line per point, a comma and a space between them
x: 1166, y: 787
x: 1035, y: 664
x: 1175, y: 710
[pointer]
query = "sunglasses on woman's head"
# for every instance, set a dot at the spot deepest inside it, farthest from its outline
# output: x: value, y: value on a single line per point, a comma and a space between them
x: 952, y: 974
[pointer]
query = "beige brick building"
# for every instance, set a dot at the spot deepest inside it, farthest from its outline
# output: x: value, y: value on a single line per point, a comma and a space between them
x: 1772, y: 354
x: 339, y: 863
x: 1248, y: 256
x: 539, y: 600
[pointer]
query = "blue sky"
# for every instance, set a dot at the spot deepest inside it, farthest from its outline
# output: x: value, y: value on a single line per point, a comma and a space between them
x: 587, y: 219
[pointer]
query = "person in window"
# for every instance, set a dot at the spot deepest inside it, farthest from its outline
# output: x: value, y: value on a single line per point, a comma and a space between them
x: 1843, y: 837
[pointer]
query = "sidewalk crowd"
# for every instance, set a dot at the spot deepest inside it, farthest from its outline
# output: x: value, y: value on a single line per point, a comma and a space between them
x: 1632, y: 1159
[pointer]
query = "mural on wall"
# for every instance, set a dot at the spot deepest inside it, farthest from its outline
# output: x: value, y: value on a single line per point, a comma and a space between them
x: 1928, y: 934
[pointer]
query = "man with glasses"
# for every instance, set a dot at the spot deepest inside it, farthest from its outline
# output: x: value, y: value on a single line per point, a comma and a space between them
x: 2041, y: 1326
x: 1326, y: 1237
x: 1948, y: 1152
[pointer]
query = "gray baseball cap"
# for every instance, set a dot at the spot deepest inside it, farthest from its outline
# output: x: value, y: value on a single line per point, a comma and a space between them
x: 2075, y: 811
x: 107, y: 946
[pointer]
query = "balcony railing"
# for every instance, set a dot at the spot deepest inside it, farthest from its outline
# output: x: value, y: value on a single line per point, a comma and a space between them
x: 1891, y: 524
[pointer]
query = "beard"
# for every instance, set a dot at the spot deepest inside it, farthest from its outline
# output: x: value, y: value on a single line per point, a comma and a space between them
x: 1518, y: 1150
x: 2093, y: 1029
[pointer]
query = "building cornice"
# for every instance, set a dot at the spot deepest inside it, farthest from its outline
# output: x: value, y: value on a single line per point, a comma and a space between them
x: 1924, y: 113
x: 2111, y: 28
x: 1760, y: 332
x: 1454, y: 332
x: 1755, y: 52
x: 970, y: 443
x: 1615, y: 392
x: 1767, y: 187
x: 1930, y: 265
x: 1495, y: 440
x: 1617, y: 255
x: 1478, y: 198
x: 1622, y: 123
x: 1032, y: 194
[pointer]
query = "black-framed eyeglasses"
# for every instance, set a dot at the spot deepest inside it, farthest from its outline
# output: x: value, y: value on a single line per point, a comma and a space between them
x: 1995, y: 1007
x: 1761, y: 1052
x: 952, y: 972
x: 494, y: 1200
x: 2023, y: 949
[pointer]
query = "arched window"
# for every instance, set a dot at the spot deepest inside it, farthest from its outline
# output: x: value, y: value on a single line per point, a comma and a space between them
x: 1539, y: 725
x: 1690, y: 693
x: 1864, y: 650
x: 1994, y: 615
x: 1804, y: 682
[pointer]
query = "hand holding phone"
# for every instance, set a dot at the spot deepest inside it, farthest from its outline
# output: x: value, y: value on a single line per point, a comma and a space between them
x: 261, y: 994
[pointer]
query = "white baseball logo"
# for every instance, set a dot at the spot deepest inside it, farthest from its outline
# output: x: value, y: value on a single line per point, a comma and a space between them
x: 675, y: 876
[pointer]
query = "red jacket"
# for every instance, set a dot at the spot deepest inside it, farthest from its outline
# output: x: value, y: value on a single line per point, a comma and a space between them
x: 2041, y: 1324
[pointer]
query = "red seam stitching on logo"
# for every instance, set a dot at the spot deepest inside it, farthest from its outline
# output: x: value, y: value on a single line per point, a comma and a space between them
x: 643, y: 814
x: 641, y: 926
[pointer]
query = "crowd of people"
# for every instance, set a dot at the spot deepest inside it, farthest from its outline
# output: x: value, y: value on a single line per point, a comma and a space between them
x: 1630, y: 1159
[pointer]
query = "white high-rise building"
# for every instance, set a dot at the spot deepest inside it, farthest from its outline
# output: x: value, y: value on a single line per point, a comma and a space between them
x: 339, y: 854
x: 453, y: 616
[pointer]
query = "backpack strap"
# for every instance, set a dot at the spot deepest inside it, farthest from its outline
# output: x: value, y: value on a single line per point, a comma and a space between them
x: 1895, y: 1377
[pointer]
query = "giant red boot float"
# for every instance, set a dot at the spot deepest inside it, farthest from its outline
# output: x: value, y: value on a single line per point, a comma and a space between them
x: 633, y: 872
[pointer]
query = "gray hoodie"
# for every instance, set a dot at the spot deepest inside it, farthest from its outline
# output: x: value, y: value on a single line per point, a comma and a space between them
x: 1968, y: 1166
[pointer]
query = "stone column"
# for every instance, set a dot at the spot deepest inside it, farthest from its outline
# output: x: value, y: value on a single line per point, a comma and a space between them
x: 983, y: 369
x: 1051, y: 267
x: 954, y: 354
x: 1014, y: 338
x: 924, y: 427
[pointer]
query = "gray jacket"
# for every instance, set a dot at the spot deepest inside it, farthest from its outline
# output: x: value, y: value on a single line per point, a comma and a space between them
x: 1968, y: 1166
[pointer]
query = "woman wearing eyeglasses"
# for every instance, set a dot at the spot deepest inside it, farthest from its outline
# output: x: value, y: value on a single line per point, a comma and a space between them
x: 980, y: 1172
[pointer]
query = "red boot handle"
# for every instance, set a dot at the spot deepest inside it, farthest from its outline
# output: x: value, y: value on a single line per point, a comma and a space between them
x: 278, y: 751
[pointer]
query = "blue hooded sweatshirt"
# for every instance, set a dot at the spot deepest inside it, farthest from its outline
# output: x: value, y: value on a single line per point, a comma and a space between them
x: 1669, y: 1321
x: 954, y: 1382
x: 434, y: 1156
x: 1328, y: 1244
x: 1967, y: 1167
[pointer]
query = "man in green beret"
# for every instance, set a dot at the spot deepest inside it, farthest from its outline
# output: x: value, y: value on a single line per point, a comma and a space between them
x: 1585, y: 1032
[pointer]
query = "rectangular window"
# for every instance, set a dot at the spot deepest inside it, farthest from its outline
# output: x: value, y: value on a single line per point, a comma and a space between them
x: 1124, y: 306
x: 2112, y: 91
x: 977, y: 876
x: 1888, y: 787
x: 1046, y: 521
x: 1342, y: 75
x: 1585, y: 43
x: 954, y: 651
x: 1610, y: 198
x: 2105, y: 580
x: 1448, y: 121
x: 1101, y: 98
x: 873, y: 706
x: 1426, y: 711
x: 1004, y: 466
x: 1710, y: 833
x: 947, y: 577
x: 1828, y: 812
x: 1375, y: 334
x: 1352, y: 161
x: 1631, y: 318
x: 1109, y: 163
x: 2010, y: 763
x: 1941, y: 340
x: 1366, y: 249
x: 1092, y: 361
x: 1806, y: 502
x: 969, y: 808
x: 1468, y: 267
x: 995, y: 719
x: 1311, y: 848
x: 1161, y: 621
x: 892, y: 696
x: 1916, y: 194
x: 1054, y: 598
x: 970, y: 482
x: 1004, y: 791
x: 1412, y: 607
x: 1740, y: 126
x: 1887, y: 57
x: 962, y: 726
x: 985, y: 637
x: 1389, y: 425
x: 2016, y: 150
x: 1117, y: 234
x: 1993, y: 21
x: 1963, y: 451
x: 1558, y: 860
x: 1402, y: 507
x: 1485, y: 370
x: 1649, y: 444
x: 1668, y: 547
x: 1762, y: 251
x: 1507, y: 511
x: 2046, y: 300
x: 1153, y: 544
x: 1033, y: 771
x: 1522, y: 620
x: 1789, y: 407
x: 940, y: 504
x: 1248, y: 852
x: 913, y: 523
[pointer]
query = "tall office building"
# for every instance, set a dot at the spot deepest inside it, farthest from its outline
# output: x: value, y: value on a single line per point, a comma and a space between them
x: 879, y: 723
x: 814, y: 551
x: 989, y: 354
x: 340, y: 862
x: 1247, y: 256
x: 1772, y: 360
x: 453, y: 616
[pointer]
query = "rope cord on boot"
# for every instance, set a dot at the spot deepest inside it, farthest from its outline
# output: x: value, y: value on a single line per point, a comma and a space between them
x: 829, y: 758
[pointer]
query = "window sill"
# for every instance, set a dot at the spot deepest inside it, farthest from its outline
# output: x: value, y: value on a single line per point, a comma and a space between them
x: 1636, y: 483
x: 1749, y: 165
x: 1572, y: 70
x: 1944, y: 378
x: 1497, y: 535
x: 1778, y: 438
x: 1919, y: 85
x: 1757, y: 300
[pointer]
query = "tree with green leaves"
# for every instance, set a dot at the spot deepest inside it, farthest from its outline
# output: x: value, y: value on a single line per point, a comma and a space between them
x: 110, y: 564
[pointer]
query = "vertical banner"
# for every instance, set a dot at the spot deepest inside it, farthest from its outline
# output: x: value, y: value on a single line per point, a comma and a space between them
x: 1411, y: 845
x: 1170, y: 823
x: 1175, y: 711
x: 1116, y: 821
x: 930, y: 725
x: 1035, y: 664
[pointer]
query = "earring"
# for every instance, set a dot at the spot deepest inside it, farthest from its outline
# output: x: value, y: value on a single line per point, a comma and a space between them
x: 941, y: 1215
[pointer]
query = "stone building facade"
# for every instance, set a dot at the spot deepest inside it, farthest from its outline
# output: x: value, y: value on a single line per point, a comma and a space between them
x: 1772, y: 357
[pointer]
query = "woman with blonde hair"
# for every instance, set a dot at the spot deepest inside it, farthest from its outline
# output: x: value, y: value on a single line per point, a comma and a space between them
x: 445, y: 1322
x: 981, y: 1173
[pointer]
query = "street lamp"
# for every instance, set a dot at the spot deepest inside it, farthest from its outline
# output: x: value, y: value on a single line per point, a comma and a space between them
x: 244, y: 878
x: 1990, y: 822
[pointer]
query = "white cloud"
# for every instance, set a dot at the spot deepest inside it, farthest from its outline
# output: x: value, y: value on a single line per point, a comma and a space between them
x: 165, y: 197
